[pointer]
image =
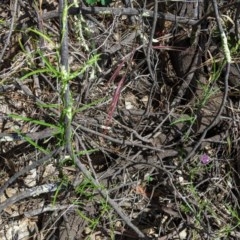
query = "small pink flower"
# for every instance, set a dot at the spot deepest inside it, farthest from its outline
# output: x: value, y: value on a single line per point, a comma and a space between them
x: 205, y: 159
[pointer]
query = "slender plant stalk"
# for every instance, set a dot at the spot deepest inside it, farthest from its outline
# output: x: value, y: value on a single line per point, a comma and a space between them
x: 65, y: 91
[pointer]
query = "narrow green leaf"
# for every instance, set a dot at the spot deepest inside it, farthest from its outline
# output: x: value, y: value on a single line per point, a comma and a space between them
x: 106, y: 2
x: 26, y: 119
x: 91, y: 2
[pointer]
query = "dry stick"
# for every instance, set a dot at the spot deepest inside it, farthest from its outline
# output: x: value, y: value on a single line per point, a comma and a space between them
x: 189, y: 77
x: 227, y: 6
x: 27, y: 169
x: 165, y: 152
x: 120, y: 11
x: 123, y: 11
x: 104, y: 194
x: 31, y: 192
x: 37, y: 88
x: 148, y: 54
x: 236, y: 22
x: 10, y: 30
x: 228, y: 59
x: 48, y: 208
x: 9, y: 137
x: 149, y: 47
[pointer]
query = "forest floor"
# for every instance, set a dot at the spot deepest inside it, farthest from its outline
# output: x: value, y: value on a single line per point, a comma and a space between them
x: 119, y: 121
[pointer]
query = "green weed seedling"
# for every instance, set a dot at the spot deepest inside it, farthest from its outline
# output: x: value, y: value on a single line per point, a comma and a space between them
x: 234, y: 215
x: 63, y: 184
x: 88, y: 192
x: 62, y: 75
x: 36, y: 122
x: 148, y: 178
x: 207, y: 89
x: 232, y: 225
x: 185, y: 119
x: 86, y: 189
x: 103, y: 2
